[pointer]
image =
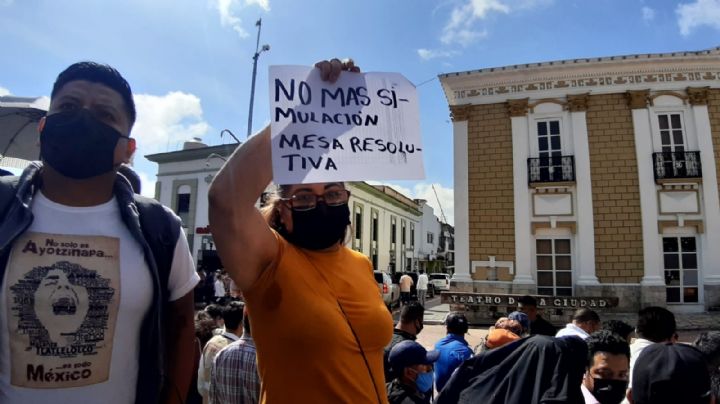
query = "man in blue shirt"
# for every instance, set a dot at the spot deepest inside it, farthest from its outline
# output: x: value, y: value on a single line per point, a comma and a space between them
x: 454, y: 350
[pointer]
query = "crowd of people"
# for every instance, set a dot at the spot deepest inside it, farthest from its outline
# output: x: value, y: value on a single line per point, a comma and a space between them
x: 523, y: 359
x: 585, y: 362
x: 111, y: 321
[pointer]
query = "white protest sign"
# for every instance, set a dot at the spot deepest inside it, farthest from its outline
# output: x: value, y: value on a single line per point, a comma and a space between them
x: 365, y: 126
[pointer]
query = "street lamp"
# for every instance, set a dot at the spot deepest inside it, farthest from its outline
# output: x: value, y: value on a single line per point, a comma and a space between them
x: 229, y: 132
x: 258, y: 51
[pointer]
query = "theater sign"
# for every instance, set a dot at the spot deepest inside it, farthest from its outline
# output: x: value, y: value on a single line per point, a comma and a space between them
x: 560, y: 302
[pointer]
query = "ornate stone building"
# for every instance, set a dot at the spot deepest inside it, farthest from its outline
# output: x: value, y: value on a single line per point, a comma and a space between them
x: 590, y: 177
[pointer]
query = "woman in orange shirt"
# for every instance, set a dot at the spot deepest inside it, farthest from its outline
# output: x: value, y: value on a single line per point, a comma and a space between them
x: 317, y: 319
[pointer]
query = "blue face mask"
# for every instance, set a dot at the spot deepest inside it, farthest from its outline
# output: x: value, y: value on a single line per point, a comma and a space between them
x: 424, y: 382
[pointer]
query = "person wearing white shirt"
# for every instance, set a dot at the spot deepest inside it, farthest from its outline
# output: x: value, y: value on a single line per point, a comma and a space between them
x: 219, y: 289
x: 422, y: 287
x: 655, y: 324
x: 584, y: 322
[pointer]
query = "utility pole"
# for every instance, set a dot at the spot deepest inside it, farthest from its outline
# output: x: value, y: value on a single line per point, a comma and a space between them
x: 258, y: 51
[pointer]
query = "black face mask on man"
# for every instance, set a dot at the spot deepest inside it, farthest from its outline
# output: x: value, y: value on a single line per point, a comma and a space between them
x: 78, y: 145
x: 609, y: 391
x: 318, y: 228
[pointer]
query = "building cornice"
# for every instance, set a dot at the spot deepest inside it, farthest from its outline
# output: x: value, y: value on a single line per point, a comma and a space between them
x: 373, y: 190
x: 224, y: 150
x: 594, y: 75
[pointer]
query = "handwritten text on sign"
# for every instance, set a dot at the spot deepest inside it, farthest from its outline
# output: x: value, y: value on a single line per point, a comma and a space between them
x: 365, y: 126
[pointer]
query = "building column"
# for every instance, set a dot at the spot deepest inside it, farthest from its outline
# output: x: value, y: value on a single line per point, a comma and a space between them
x: 521, y: 151
x: 653, y: 268
x: 711, y: 200
x: 459, y: 116
x: 584, y: 211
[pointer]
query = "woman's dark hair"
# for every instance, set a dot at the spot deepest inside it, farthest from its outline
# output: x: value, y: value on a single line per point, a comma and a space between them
x: 98, y: 73
x: 204, y: 327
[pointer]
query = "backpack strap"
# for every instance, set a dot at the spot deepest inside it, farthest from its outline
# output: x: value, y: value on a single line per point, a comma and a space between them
x: 161, y: 229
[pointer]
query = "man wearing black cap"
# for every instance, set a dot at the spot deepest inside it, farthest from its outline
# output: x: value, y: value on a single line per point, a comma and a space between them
x: 670, y: 373
x: 453, y: 348
x: 412, y: 369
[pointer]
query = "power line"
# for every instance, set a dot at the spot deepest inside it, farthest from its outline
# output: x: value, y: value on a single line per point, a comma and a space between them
x: 439, y: 204
x: 426, y: 81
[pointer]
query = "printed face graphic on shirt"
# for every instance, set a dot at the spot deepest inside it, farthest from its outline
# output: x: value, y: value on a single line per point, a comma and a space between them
x: 62, y: 302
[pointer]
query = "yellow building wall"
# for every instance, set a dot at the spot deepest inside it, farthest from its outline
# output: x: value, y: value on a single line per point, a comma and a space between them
x: 490, y: 183
x: 616, y: 194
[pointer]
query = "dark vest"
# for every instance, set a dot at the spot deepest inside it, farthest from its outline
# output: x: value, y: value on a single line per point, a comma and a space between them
x: 153, y: 226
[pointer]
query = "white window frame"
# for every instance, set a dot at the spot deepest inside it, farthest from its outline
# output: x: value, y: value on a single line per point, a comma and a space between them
x: 556, y: 234
x: 678, y: 232
x: 668, y: 104
x: 548, y: 111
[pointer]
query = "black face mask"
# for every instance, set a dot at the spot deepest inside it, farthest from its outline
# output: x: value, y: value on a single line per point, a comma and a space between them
x: 78, y: 145
x: 609, y: 391
x: 319, y: 228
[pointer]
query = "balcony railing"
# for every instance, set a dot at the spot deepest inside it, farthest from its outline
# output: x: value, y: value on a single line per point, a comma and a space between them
x: 677, y: 165
x: 551, y: 169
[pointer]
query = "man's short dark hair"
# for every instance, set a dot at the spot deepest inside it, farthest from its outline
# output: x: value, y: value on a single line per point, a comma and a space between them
x: 528, y: 300
x: 618, y: 327
x: 98, y: 73
x: 656, y: 324
x: 422, y: 271
x: 412, y: 312
x: 456, y: 323
x: 608, y: 342
x: 215, y: 311
x: 233, y: 315
x: 585, y: 316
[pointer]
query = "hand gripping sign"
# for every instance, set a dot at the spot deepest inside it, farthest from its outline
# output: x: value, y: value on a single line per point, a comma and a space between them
x: 365, y: 126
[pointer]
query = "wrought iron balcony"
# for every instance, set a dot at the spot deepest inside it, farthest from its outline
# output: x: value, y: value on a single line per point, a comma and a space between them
x: 677, y: 165
x: 551, y: 169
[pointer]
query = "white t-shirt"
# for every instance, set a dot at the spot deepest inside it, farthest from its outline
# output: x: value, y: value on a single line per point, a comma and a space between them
x: 219, y: 288
x: 571, y: 330
x: 422, y: 282
x: 74, y: 294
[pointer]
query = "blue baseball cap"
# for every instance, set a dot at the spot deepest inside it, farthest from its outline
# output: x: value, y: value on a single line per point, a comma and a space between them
x: 409, y: 353
x: 521, y: 318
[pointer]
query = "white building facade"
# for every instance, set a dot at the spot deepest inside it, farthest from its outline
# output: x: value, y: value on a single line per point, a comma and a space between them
x: 386, y: 226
